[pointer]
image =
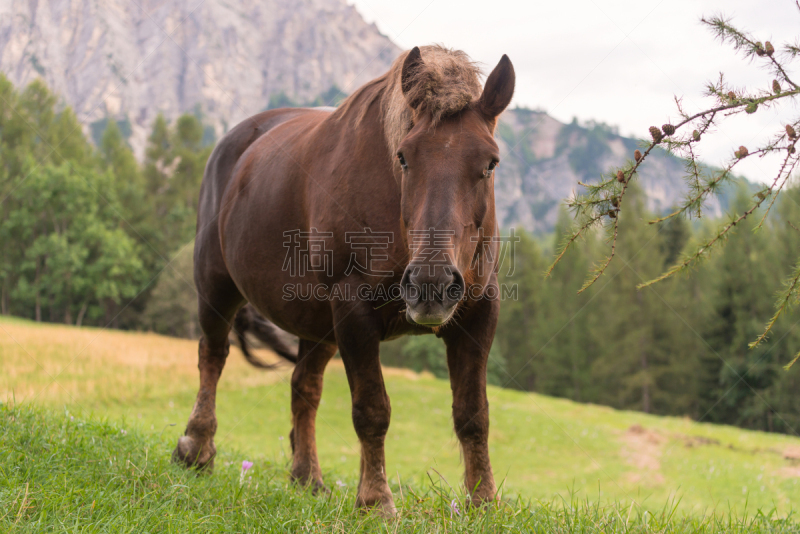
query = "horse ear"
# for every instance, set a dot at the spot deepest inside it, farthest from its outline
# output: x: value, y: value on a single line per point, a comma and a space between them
x: 498, y: 90
x: 409, y: 76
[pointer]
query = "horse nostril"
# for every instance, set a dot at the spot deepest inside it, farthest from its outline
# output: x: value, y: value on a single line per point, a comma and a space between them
x: 406, y: 277
x: 409, y: 289
x: 455, y: 289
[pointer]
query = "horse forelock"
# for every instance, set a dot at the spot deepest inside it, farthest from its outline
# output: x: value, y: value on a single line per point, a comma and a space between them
x: 447, y: 83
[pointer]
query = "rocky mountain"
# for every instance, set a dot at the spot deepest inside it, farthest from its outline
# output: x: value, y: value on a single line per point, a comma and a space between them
x: 227, y: 59
x: 544, y: 159
x: 136, y: 58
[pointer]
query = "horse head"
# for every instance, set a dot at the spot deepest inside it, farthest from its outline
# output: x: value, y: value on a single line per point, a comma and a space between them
x: 447, y: 163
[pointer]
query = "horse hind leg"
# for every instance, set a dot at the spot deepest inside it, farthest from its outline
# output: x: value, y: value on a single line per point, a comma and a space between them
x: 196, y: 447
x: 307, y: 380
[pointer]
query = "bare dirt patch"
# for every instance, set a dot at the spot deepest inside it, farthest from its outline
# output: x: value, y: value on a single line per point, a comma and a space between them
x: 792, y: 456
x: 642, y: 448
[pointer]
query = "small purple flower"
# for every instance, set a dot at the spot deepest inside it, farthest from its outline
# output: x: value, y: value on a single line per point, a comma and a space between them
x: 245, y: 466
x: 454, y: 508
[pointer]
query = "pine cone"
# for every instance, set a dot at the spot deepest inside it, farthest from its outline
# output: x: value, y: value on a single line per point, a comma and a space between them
x: 751, y: 108
x: 612, y: 214
x: 637, y: 155
x: 776, y: 87
x: 668, y: 129
x: 742, y: 152
x: 760, y: 49
x: 621, y: 177
x: 731, y: 95
x: 790, y: 132
x: 768, y: 48
x: 696, y: 135
x: 656, y: 133
x: 792, y: 150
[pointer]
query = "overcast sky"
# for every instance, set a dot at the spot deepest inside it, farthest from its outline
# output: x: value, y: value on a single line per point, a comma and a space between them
x: 618, y: 62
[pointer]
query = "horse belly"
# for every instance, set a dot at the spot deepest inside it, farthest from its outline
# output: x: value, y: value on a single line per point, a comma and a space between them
x: 257, y: 235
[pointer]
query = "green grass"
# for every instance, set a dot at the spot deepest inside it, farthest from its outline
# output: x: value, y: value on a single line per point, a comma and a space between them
x: 59, y: 473
x: 574, y: 462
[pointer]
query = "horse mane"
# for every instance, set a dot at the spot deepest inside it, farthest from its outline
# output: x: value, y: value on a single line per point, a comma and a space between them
x: 446, y: 84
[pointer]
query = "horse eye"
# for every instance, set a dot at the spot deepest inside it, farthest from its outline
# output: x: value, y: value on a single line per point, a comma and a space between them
x: 402, y: 161
x: 492, y: 166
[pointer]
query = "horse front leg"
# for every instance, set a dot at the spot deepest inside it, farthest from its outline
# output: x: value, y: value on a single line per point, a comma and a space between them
x: 306, y: 394
x: 358, y: 338
x: 468, y: 343
x: 196, y: 447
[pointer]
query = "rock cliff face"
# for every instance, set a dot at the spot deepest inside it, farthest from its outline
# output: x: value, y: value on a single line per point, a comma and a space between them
x: 133, y: 59
x: 136, y: 58
x: 545, y: 159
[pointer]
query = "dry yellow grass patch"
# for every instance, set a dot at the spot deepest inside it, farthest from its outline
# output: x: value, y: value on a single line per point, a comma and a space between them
x: 56, y: 363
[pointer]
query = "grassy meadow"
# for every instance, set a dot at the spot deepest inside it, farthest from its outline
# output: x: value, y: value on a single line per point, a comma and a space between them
x: 70, y: 392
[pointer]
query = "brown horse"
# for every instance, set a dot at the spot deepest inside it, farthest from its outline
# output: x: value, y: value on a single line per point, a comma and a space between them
x: 353, y: 226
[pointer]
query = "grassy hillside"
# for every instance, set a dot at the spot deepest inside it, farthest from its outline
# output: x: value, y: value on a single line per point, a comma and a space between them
x: 542, y: 448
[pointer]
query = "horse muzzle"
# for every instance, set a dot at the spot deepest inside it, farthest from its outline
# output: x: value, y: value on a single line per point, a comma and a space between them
x: 431, y: 297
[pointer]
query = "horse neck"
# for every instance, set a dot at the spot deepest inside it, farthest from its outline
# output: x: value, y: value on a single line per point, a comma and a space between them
x: 361, y: 126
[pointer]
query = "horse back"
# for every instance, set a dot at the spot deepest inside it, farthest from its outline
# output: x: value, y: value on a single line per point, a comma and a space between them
x: 223, y: 160
x: 210, y: 272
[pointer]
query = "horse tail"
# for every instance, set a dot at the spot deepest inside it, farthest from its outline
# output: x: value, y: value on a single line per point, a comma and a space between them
x: 249, y: 320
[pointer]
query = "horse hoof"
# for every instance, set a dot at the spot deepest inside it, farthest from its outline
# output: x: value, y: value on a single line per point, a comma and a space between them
x: 382, y: 506
x: 187, y: 454
x: 316, y: 487
x: 484, y: 499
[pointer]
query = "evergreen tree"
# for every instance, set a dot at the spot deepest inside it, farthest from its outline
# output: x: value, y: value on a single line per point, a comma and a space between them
x: 172, y: 306
x: 173, y: 171
x: 565, y: 346
x: 741, y: 386
x: 516, y: 335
